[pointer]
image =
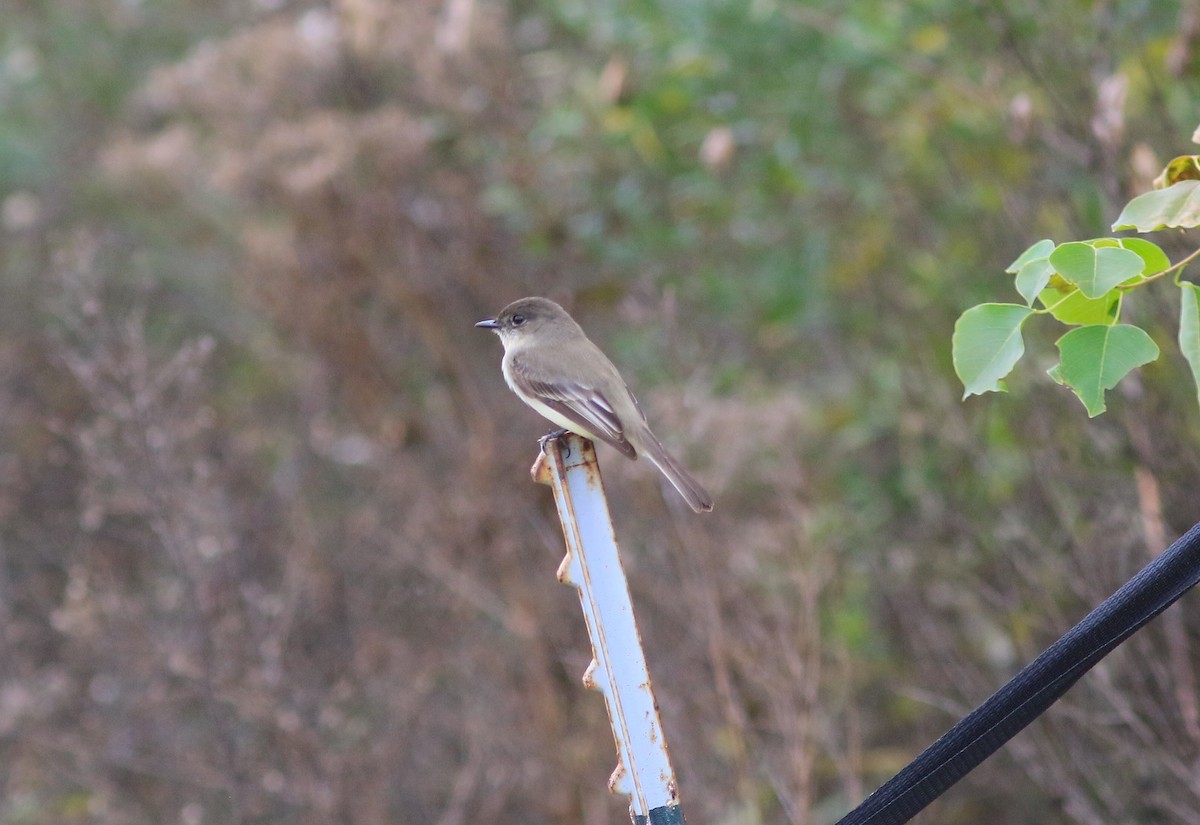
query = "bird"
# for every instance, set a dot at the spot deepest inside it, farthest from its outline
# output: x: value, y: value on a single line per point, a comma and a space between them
x: 551, y: 365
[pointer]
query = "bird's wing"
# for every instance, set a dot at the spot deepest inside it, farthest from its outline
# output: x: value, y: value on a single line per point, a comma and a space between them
x: 586, y: 406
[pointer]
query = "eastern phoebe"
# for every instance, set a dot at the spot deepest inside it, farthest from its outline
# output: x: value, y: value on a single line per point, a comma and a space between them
x: 553, y: 367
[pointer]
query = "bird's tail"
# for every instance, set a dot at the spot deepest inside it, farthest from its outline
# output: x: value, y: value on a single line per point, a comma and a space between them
x: 691, y: 490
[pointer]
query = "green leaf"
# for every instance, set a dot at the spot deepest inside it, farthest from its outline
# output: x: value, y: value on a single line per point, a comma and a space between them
x: 1093, y: 359
x: 1033, y: 278
x: 1055, y: 372
x: 1189, y: 330
x: 1041, y: 249
x: 1069, y: 305
x: 1095, y: 270
x: 987, y: 344
x: 1184, y: 167
x: 1177, y: 206
x: 1154, y: 260
x: 1033, y: 270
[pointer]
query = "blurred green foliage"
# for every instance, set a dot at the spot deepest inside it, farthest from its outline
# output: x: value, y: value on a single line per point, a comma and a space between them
x: 895, y: 119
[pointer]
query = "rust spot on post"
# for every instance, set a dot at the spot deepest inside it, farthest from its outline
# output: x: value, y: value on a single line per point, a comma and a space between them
x: 589, y: 676
x: 541, y: 470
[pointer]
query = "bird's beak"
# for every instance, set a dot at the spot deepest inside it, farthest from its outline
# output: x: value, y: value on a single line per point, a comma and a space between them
x: 490, y: 323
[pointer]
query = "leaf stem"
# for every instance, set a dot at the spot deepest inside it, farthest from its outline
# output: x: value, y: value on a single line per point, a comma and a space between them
x: 1183, y: 263
x: 1177, y: 268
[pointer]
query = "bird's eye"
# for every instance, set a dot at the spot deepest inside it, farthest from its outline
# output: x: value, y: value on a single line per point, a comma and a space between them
x: 517, y: 320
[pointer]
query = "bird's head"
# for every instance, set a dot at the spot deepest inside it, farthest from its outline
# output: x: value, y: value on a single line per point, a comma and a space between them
x: 521, y: 319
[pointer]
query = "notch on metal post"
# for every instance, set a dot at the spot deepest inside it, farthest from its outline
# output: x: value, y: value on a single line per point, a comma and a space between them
x: 618, y: 670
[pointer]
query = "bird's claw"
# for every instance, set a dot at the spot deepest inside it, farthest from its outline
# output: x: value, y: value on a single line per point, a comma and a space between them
x: 552, y: 436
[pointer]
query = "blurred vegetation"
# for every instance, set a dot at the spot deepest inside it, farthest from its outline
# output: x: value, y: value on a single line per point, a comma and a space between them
x: 268, y: 553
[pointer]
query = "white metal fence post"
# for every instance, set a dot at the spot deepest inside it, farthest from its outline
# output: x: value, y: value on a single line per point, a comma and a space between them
x: 618, y: 669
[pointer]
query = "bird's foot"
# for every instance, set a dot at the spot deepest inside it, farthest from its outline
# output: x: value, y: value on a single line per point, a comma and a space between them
x: 552, y: 436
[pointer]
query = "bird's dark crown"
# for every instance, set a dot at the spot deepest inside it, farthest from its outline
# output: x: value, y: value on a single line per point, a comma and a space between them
x: 526, y: 314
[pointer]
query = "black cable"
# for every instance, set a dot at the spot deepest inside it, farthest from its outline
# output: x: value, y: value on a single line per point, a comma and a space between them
x: 1035, y: 688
